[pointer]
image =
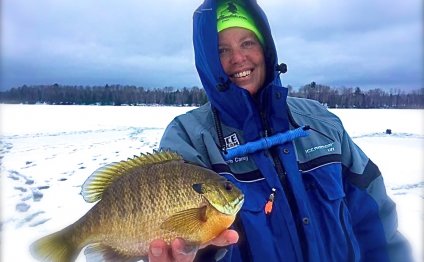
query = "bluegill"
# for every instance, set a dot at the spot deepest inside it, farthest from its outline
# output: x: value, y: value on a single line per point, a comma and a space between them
x: 151, y: 196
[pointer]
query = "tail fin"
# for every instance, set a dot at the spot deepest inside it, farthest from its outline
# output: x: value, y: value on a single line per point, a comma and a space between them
x: 56, y: 247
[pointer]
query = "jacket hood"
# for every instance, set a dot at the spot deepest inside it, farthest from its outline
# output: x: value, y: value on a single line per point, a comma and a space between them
x: 235, y: 105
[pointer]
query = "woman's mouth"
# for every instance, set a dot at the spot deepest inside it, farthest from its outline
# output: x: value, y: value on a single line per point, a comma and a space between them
x: 242, y: 74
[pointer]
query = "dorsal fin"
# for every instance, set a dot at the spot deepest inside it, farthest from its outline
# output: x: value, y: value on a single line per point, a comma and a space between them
x: 103, y: 177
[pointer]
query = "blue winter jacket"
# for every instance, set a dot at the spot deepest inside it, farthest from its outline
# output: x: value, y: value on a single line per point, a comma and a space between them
x: 329, y: 198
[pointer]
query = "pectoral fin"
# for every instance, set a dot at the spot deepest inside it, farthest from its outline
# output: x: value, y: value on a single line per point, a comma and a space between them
x: 186, y: 222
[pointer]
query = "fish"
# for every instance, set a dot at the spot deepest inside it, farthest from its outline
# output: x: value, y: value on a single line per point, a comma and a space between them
x: 151, y: 196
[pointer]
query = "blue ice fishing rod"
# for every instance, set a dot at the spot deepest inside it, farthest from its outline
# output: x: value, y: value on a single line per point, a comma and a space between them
x: 266, y: 142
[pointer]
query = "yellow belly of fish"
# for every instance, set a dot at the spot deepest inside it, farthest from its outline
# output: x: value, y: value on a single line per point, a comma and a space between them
x: 216, y: 224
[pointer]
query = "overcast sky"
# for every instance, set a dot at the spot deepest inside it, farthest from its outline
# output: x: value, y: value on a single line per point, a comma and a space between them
x: 364, y: 43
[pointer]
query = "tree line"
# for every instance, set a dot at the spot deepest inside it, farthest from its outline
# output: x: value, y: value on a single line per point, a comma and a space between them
x: 345, y: 97
x: 349, y: 97
x: 103, y: 95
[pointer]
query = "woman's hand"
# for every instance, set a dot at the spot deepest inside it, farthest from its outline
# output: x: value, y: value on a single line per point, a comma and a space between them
x: 159, y: 251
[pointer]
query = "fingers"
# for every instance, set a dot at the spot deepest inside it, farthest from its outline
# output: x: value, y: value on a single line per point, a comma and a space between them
x: 178, y: 251
x: 181, y: 251
x: 226, y: 238
x: 159, y: 251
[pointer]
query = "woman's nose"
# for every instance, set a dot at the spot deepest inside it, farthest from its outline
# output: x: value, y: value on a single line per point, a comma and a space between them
x: 237, y: 56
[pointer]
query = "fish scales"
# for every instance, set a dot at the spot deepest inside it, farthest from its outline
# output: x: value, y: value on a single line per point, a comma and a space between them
x: 146, y: 201
x: 123, y: 201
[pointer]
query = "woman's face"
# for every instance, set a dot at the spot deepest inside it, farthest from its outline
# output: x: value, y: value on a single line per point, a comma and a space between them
x: 242, y: 58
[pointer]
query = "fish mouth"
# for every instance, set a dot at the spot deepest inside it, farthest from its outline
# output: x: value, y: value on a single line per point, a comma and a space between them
x: 230, y: 207
x: 233, y: 207
x: 239, y: 204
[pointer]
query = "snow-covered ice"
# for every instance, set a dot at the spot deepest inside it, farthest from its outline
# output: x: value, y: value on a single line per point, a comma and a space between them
x: 47, y: 152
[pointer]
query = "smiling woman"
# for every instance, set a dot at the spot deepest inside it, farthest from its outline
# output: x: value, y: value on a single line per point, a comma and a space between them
x: 240, y: 46
x: 242, y: 58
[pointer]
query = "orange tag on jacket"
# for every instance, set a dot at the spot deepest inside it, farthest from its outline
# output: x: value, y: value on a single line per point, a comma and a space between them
x: 268, y: 207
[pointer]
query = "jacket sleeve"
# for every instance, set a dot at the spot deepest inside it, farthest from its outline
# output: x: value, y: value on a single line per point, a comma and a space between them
x: 192, y: 140
x: 176, y: 138
x: 373, y: 213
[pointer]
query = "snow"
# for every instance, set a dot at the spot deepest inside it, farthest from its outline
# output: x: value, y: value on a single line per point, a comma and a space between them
x: 47, y: 152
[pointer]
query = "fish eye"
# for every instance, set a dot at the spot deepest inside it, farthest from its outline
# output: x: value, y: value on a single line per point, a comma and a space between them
x: 228, y: 186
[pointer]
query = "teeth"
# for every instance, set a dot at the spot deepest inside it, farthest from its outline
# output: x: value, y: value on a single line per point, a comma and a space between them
x: 242, y: 74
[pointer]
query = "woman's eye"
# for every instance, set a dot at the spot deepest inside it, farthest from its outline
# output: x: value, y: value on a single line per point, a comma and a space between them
x: 223, y: 51
x: 248, y: 44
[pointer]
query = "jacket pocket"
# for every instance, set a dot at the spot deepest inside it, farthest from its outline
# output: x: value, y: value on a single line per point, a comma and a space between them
x: 327, y: 181
x: 324, y: 186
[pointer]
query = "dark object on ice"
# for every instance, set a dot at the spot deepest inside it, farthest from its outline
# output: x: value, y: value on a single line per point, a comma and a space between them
x: 388, y: 131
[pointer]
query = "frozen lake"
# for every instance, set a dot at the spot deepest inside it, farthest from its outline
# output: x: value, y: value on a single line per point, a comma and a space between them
x: 47, y: 152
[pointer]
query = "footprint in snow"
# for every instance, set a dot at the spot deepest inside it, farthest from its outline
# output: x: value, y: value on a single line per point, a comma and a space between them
x: 22, y: 189
x: 22, y: 207
x: 33, y: 219
x: 15, y: 175
x: 37, y: 195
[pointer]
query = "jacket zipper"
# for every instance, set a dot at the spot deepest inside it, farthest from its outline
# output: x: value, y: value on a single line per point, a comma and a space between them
x: 288, y: 192
x: 277, y: 162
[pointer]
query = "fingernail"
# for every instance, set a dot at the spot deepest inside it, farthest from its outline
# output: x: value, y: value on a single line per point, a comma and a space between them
x: 188, y: 247
x: 156, y: 251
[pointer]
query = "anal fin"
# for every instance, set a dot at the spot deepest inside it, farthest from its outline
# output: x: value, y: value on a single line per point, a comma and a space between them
x: 103, y: 253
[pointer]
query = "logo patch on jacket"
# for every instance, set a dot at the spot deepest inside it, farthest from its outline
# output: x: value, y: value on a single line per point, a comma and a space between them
x: 231, y: 141
x: 328, y: 147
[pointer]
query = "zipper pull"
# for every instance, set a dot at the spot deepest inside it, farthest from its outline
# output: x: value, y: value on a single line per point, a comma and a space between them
x: 268, y: 205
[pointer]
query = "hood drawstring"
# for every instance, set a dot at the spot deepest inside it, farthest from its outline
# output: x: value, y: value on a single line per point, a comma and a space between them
x: 266, y: 142
x: 260, y: 144
x: 281, y: 68
x: 263, y: 143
